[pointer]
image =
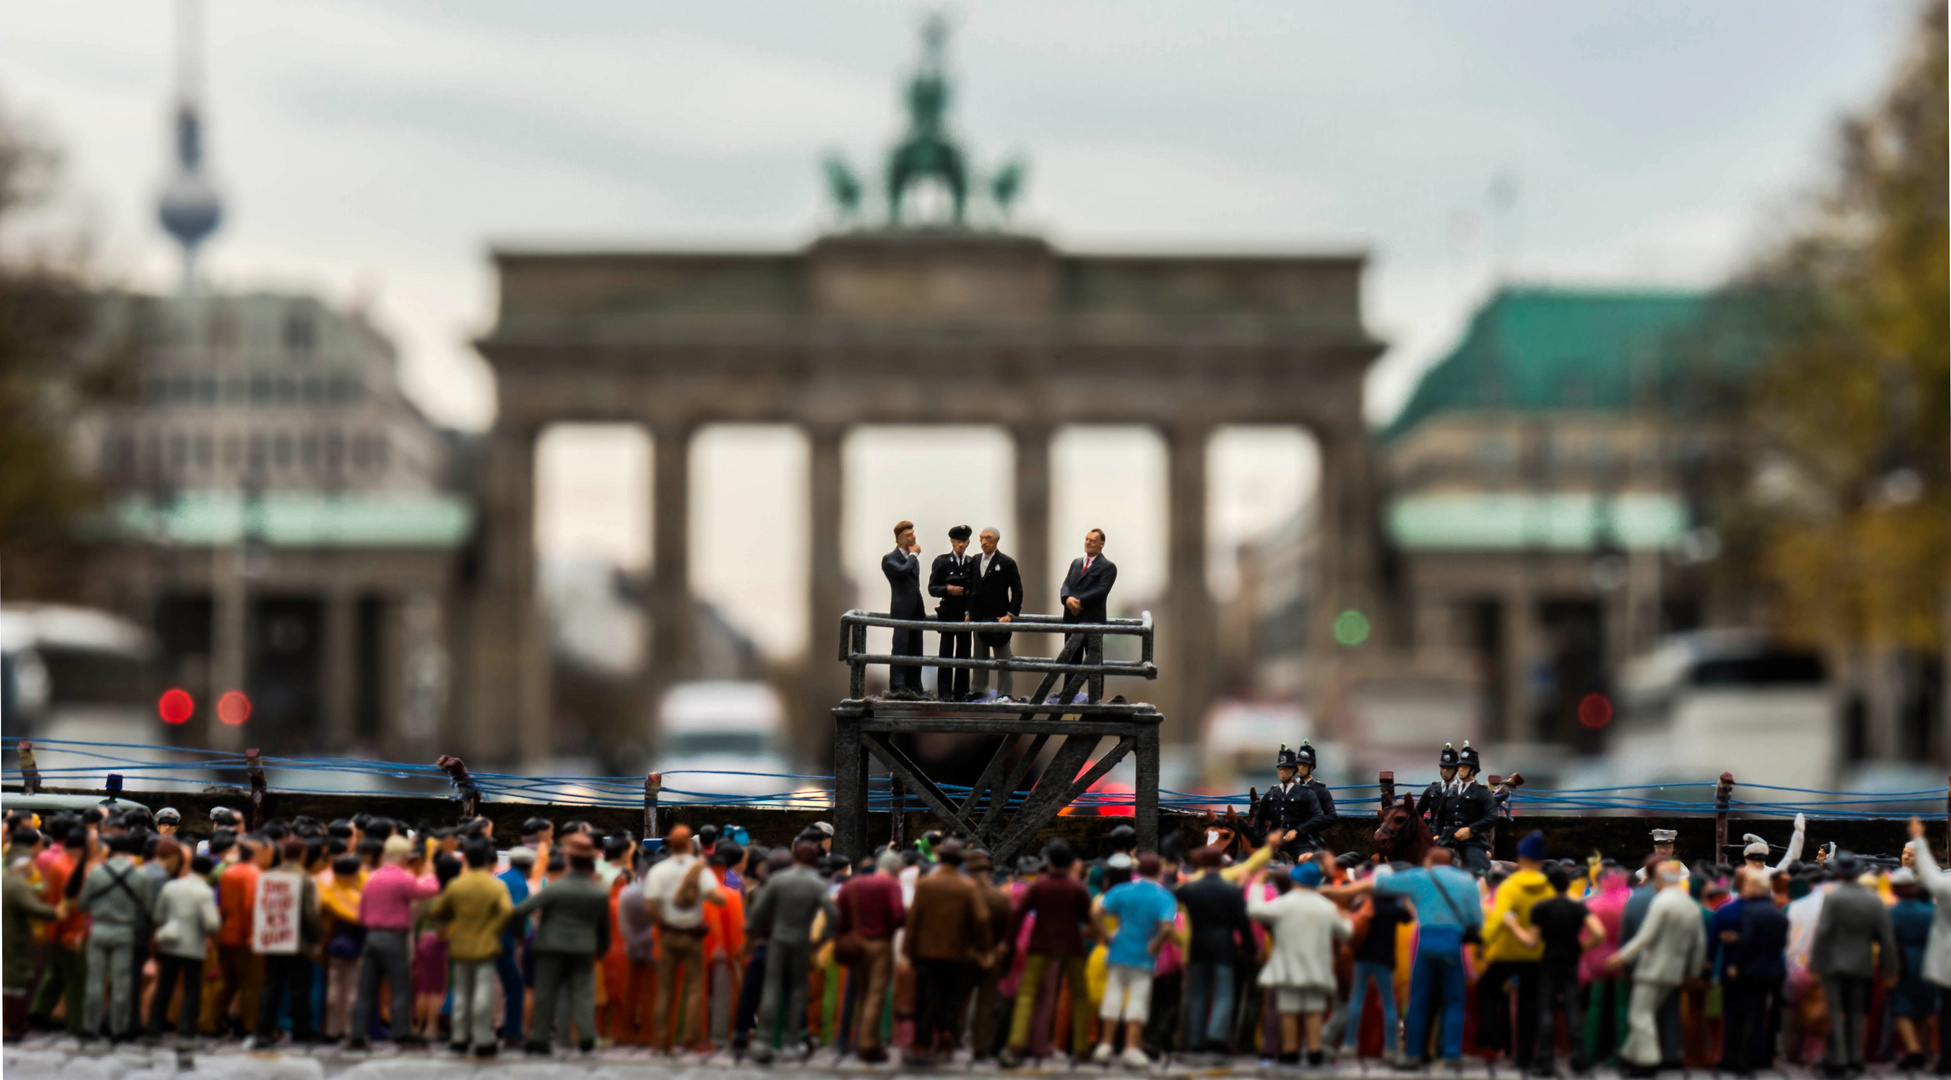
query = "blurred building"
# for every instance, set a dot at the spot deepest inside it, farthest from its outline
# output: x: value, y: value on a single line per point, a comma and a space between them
x: 283, y: 516
x: 1542, y: 522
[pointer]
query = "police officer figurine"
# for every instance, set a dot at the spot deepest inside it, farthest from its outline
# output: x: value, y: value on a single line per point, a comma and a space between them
x: 1304, y: 761
x: 1430, y: 806
x: 1290, y: 809
x: 1469, y: 813
x: 948, y: 581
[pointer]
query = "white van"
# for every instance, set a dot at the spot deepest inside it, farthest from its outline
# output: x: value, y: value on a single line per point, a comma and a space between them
x: 1718, y: 701
x: 75, y: 674
x: 723, y: 742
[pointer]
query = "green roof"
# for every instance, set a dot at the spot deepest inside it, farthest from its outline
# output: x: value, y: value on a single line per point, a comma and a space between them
x: 297, y: 519
x: 1539, y: 349
x: 1550, y: 522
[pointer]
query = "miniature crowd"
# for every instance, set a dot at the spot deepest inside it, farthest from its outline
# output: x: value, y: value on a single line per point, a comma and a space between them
x: 117, y: 926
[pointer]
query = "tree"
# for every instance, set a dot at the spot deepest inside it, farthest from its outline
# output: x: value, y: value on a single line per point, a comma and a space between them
x: 44, y: 385
x: 1843, y: 516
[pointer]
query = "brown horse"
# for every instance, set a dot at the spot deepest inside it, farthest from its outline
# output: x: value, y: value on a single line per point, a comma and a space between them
x: 1232, y: 834
x: 1403, y: 835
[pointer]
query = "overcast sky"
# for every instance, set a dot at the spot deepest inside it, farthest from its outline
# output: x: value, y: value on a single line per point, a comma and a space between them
x: 375, y: 152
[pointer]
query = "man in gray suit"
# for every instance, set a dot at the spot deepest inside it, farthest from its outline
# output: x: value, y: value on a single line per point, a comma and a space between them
x: 1853, y: 919
x: 575, y: 930
x: 783, y: 915
x: 902, y: 568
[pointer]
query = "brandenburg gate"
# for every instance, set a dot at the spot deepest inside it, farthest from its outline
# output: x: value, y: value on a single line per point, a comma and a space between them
x: 898, y: 324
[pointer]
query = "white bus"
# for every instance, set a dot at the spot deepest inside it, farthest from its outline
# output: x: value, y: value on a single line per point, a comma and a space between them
x: 73, y: 673
x: 1709, y: 702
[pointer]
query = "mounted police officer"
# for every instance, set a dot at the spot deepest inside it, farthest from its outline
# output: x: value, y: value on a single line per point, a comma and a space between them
x: 1430, y: 806
x: 1291, y: 809
x: 1304, y: 762
x: 1469, y: 814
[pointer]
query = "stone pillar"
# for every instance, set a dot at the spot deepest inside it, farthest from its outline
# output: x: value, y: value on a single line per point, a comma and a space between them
x: 670, y: 582
x: 828, y: 595
x: 511, y: 695
x: 1344, y: 575
x: 1520, y: 633
x: 1188, y: 663
x: 1030, y: 547
x: 339, y: 672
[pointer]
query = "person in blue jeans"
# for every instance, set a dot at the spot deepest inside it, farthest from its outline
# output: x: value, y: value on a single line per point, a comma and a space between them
x: 1219, y: 931
x: 1375, y: 964
x: 507, y: 967
x: 1447, y: 906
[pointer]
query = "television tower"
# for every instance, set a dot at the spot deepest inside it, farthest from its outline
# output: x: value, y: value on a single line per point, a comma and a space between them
x: 189, y: 209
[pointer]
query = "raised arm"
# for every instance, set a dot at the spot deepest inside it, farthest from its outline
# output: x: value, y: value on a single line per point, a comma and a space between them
x: 1794, y: 851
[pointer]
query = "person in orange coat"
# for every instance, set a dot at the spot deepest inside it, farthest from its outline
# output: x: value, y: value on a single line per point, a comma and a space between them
x: 617, y: 1018
x: 240, y: 970
x: 725, y: 926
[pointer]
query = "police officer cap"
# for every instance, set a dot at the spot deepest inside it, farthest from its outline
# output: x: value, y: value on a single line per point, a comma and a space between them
x: 168, y: 815
x: 960, y: 532
x: 1665, y: 836
x: 1467, y: 757
x: 1447, y: 759
x: 1305, y: 754
x: 1286, y: 759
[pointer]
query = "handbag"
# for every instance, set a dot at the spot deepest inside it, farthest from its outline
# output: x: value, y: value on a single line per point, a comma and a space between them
x: 849, y: 948
x: 1473, y: 933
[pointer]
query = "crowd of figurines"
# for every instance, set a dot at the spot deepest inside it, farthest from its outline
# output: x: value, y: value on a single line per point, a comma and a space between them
x: 1245, y: 939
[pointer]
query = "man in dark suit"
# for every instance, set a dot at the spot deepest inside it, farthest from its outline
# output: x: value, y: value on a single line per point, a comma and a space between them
x: 1086, y: 595
x: 997, y: 596
x: 948, y: 581
x: 902, y: 566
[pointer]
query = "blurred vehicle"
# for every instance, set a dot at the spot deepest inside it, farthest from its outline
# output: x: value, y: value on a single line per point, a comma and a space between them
x: 1241, y: 739
x: 47, y: 805
x: 1712, y: 701
x: 721, y: 741
x: 82, y: 675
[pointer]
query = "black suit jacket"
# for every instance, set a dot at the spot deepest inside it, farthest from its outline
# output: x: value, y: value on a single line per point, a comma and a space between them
x: 997, y: 593
x: 1092, y: 590
x: 903, y: 572
x: 945, y: 573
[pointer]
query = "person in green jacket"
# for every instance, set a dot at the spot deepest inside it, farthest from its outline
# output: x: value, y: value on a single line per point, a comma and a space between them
x: 574, y: 930
x: 20, y: 908
x: 474, y: 906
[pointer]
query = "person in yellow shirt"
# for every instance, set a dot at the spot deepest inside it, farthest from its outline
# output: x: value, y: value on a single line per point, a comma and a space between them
x: 338, y: 901
x: 1513, y: 950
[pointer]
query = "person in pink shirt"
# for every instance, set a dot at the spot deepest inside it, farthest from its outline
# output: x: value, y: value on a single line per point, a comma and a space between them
x: 1607, y: 901
x: 386, y: 911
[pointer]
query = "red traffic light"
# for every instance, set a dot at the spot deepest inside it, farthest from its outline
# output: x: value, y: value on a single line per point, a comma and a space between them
x: 234, y: 707
x: 1595, y: 711
x: 176, y: 706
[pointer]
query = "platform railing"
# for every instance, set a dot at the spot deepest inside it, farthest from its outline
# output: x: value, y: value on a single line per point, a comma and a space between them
x: 1069, y: 662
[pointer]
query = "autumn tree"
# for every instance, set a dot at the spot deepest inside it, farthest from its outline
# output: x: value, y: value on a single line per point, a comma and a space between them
x: 1842, y: 519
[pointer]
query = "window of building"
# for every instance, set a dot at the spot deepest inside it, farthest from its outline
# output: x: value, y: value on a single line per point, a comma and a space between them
x: 379, y: 449
x: 236, y: 388
x: 334, y: 449
x: 301, y: 333
x: 313, y: 391
x: 155, y: 390
x: 260, y: 389
x: 206, y: 451
x: 361, y: 451
x: 233, y: 450
x: 287, y: 391
x: 1494, y: 452
x: 179, y: 450
x: 308, y: 451
x: 257, y: 451
x: 206, y: 390
x: 337, y: 390
x: 182, y: 389
x: 284, y: 450
x: 118, y: 455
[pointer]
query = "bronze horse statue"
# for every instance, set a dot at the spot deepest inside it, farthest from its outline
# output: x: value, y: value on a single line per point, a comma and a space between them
x: 1402, y: 835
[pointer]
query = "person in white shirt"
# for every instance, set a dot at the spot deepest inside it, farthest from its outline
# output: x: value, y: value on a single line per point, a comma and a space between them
x: 676, y: 891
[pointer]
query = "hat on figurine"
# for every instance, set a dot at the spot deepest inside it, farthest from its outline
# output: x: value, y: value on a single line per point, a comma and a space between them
x: 1287, y: 759
x: 1447, y: 759
x: 1665, y: 836
x: 1467, y: 757
x: 960, y: 532
x: 1756, y: 848
x: 1305, y: 755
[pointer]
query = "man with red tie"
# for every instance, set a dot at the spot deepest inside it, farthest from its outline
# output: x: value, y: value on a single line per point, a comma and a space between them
x: 1086, y: 593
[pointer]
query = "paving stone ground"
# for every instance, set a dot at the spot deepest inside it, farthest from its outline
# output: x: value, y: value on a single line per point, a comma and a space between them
x: 54, y: 1057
